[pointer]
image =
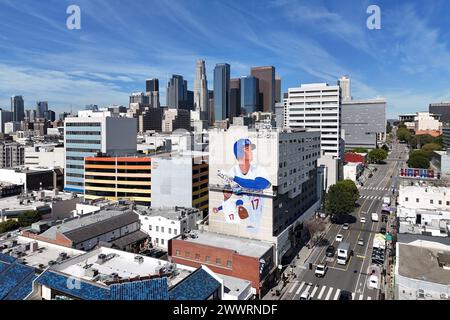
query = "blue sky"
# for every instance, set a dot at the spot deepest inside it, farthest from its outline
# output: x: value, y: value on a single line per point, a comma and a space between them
x: 121, y: 43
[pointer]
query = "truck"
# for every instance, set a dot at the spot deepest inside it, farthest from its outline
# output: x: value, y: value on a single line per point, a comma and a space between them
x: 374, y: 217
x: 343, y: 253
x: 387, y: 200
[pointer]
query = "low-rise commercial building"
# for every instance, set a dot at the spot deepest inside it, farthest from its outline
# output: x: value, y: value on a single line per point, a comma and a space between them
x: 45, y: 155
x: 34, y: 178
x: 11, y: 155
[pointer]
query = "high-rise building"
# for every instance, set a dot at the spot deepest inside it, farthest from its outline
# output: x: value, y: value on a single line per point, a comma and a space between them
x: 249, y: 94
x: 221, y: 91
x: 150, y: 119
x: 17, y: 108
x: 278, y: 90
x: 152, y: 85
x: 139, y: 97
x: 266, y: 87
x: 362, y: 122
x: 176, y: 95
x: 5, y: 116
x: 235, y: 98
x: 50, y: 115
x: 201, y: 90
x: 442, y: 109
x: 317, y: 107
x: 344, y: 84
x: 92, y: 107
x: 30, y: 115
x: 63, y: 115
x: 11, y: 155
x: 41, y: 109
x: 91, y: 133
x: 190, y: 101
x: 211, y: 107
x: 176, y: 119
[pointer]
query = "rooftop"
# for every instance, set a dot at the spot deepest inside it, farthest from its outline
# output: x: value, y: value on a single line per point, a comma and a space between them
x: 36, y: 254
x: 171, y: 213
x: 243, y: 246
x: 105, y: 265
x: 33, y: 200
x: 422, y: 263
x: 368, y: 101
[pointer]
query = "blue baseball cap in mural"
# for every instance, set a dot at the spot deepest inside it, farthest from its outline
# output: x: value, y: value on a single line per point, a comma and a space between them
x: 240, y: 145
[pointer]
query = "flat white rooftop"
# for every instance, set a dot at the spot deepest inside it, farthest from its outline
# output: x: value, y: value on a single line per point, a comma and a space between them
x: 21, y: 202
x: 118, y: 262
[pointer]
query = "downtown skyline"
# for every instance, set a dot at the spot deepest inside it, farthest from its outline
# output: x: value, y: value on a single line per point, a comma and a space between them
x: 116, y: 49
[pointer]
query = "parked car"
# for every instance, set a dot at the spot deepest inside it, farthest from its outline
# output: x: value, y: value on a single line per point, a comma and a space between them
x: 363, y: 220
x: 346, y: 226
x: 305, y: 295
x: 373, y: 282
x: 361, y: 242
x: 339, y: 238
x: 330, y: 251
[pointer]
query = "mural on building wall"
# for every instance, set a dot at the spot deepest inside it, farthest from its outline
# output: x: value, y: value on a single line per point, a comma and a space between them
x: 245, y: 183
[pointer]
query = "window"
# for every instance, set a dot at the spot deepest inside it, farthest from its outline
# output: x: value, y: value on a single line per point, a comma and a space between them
x: 440, y: 202
x: 229, y: 265
x: 406, y: 199
x: 448, y: 203
x: 417, y: 200
x: 150, y: 227
x: 208, y: 259
x: 162, y: 241
x: 170, y: 230
x: 175, y: 231
x: 218, y: 261
x: 431, y: 201
x: 187, y: 254
x: 157, y: 229
x: 162, y: 229
x: 157, y: 240
x: 197, y: 256
x: 178, y: 253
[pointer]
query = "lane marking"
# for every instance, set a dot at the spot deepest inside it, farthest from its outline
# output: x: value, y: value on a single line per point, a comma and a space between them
x: 353, y: 296
x: 300, y: 288
x: 361, y: 297
x: 329, y: 293
x: 293, y: 287
x: 337, y: 294
x: 314, y: 291
x: 369, y: 298
x: 321, y: 292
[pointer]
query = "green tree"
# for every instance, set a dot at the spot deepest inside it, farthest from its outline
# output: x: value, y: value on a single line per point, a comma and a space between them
x: 9, y: 225
x: 401, y: 125
x: 430, y: 147
x: 385, y: 148
x: 28, y: 218
x: 377, y: 155
x: 339, y: 201
x: 349, y: 186
x: 388, y: 128
x: 404, y: 134
x: 419, y: 161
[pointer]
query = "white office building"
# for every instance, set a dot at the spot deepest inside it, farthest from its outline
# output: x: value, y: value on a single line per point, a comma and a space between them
x: 317, y: 107
x: 44, y: 155
x: 91, y: 133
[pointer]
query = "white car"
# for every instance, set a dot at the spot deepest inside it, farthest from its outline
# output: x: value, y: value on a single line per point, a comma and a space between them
x: 321, y: 270
x: 305, y: 295
x: 373, y: 282
x: 339, y: 238
x: 363, y: 220
x: 346, y: 226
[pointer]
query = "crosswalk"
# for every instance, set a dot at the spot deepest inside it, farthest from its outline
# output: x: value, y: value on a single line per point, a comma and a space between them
x: 377, y: 189
x: 371, y: 197
x: 320, y: 292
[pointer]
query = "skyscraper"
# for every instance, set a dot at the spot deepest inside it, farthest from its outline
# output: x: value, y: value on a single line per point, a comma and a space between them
x: 17, y: 107
x: 266, y: 87
x: 277, y: 89
x: 249, y: 94
x: 152, y: 85
x: 221, y: 91
x: 344, y: 84
x: 5, y: 116
x: 201, y: 90
x: 235, y: 98
x: 41, y: 108
x: 176, y: 95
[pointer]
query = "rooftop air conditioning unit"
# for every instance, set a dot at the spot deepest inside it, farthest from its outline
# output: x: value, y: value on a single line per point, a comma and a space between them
x: 139, y: 259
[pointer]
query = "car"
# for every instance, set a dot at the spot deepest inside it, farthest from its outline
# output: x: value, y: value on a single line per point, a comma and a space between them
x: 305, y: 295
x: 345, y: 295
x: 330, y: 251
x: 321, y: 270
x: 363, y: 220
x: 383, y: 230
x: 375, y: 217
x: 361, y: 242
x: 339, y: 238
x: 346, y: 226
x: 373, y: 282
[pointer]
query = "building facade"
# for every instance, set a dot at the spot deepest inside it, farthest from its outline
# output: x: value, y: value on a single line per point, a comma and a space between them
x: 174, y: 119
x: 266, y: 87
x: 249, y: 94
x: 11, y: 155
x: 221, y: 91
x: 17, y: 108
x: 176, y: 94
x: 442, y: 110
x: 91, y: 133
x: 5, y: 116
x: 201, y: 90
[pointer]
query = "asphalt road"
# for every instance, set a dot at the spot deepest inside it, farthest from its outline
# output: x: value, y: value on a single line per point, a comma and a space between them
x: 354, y: 276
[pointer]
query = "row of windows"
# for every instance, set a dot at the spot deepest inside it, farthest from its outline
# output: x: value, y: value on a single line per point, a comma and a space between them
x: 75, y: 175
x: 75, y: 158
x: 218, y: 261
x: 83, y: 133
x: 82, y: 150
x: 169, y: 230
x: 447, y: 203
x: 83, y: 124
x: 73, y: 166
x: 84, y: 141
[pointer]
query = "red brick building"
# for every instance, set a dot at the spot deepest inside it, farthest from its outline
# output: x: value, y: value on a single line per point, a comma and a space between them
x: 350, y: 157
x: 247, y: 259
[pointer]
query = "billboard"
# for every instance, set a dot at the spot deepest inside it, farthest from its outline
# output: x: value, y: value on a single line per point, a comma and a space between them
x: 242, y: 173
x: 419, y: 173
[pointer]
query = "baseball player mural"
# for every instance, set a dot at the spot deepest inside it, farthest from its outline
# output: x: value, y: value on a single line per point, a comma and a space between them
x: 243, y: 205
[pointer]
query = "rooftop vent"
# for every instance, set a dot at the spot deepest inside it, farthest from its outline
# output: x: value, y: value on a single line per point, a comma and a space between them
x: 139, y: 259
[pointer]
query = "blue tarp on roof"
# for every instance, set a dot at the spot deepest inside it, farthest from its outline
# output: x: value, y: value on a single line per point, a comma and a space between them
x: 23, y: 290
x: 155, y: 289
x: 200, y: 285
x: 6, y: 258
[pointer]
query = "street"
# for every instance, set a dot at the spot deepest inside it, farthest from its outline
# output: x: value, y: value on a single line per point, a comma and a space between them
x: 353, y: 276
